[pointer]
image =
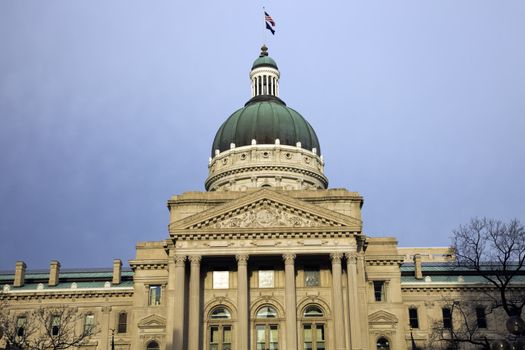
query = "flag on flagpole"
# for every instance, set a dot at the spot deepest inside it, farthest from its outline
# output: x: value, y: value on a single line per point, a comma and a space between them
x: 269, y: 19
x: 270, y: 28
x: 270, y: 23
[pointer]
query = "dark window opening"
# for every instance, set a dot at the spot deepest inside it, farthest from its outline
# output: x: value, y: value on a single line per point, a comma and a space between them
x: 412, y: 315
x: 481, y: 317
x: 379, y: 290
x: 447, y: 318
x: 122, y: 322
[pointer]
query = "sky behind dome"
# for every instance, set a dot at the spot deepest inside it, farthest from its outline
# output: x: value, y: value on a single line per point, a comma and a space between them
x: 108, y: 108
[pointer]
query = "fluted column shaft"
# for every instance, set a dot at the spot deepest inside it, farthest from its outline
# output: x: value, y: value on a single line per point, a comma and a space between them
x: 290, y: 301
x: 194, y: 311
x: 337, y: 292
x: 178, y: 300
x: 242, y: 302
x: 353, y: 301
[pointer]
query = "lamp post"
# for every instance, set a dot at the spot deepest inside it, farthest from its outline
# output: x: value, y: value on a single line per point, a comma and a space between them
x: 515, y: 326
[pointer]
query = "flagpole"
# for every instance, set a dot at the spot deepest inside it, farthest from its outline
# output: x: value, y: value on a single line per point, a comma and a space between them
x: 264, y: 26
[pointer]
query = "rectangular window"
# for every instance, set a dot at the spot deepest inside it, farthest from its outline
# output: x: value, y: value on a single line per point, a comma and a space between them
x: 379, y: 290
x: 122, y: 322
x: 221, y: 279
x: 481, y: 317
x: 154, y: 295
x: 266, y: 278
x: 89, y: 323
x: 21, y: 326
x: 55, y: 325
x: 412, y: 316
x: 447, y: 318
x: 312, y: 278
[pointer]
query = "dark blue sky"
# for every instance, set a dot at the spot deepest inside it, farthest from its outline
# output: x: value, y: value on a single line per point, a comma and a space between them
x: 109, y: 108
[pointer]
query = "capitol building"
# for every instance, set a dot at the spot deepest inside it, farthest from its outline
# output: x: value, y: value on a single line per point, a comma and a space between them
x: 268, y: 257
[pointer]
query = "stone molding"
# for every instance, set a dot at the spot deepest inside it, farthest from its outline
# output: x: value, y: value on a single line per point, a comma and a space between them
x: 379, y: 260
x: 148, y: 264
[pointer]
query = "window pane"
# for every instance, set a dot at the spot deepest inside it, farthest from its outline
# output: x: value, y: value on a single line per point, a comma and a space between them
x: 214, y: 334
x: 266, y: 278
x: 88, y: 323
x: 307, y: 333
x: 220, y: 313
x: 481, y: 317
x: 154, y: 295
x: 226, y: 334
x: 122, y: 322
x: 274, y: 334
x: 319, y: 336
x: 312, y: 278
x: 221, y: 279
x: 412, y: 315
x: 379, y: 287
x: 260, y: 334
x: 447, y: 318
x: 267, y: 312
x: 313, y: 311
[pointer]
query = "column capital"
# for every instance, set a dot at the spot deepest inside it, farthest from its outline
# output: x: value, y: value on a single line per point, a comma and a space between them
x: 242, y: 259
x: 195, y: 259
x: 336, y: 257
x: 351, y: 258
x: 179, y: 260
x: 289, y: 258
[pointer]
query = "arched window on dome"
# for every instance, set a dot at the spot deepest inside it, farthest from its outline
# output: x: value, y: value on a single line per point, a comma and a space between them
x: 266, y: 328
x: 314, y: 330
x: 219, y: 329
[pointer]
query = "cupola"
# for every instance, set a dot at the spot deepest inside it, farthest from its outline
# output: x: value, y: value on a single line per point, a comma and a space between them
x: 265, y: 143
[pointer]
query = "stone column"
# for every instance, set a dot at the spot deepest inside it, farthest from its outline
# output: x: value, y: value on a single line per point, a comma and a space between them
x: 290, y: 302
x: 242, y: 302
x: 353, y: 301
x: 337, y: 293
x: 194, y: 311
x: 105, y: 327
x: 178, y: 301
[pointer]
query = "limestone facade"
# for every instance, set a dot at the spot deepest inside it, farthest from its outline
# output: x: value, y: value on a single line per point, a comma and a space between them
x: 267, y: 258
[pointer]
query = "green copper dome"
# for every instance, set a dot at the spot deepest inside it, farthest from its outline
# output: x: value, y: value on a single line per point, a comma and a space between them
x: 264, y: 61
x: 264, y: 119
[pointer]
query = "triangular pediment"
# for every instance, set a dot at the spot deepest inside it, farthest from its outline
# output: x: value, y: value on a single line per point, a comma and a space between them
x: 152, y: 321
x: 383, y: 317
x: 266, y: 209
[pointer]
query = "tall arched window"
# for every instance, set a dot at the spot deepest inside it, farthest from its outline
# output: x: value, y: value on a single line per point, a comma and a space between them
x: 152, y: 345
x: 266, y: 329
x: 383, y: 344
x: 314, y: 330
x: 219, y: 329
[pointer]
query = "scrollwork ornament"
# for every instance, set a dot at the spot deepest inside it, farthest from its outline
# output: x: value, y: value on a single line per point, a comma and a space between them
x: 351, y: 258
x: 242, y: 259
x: 180, y: 260
x: 336, y: 257
x: 195, y: 259
x: 289, y: 258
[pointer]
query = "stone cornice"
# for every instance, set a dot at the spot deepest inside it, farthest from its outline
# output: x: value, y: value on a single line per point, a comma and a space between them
x: 148, y: 264
x: 68, y: 293
x: 378, y: 260
x: 262, y: 233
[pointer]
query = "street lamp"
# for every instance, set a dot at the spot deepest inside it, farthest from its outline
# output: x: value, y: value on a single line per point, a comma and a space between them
x: 515, y: 326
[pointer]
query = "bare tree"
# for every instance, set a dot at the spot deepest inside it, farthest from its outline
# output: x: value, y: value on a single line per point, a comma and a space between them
x: 464, y: 326
x: 46, y: 328
x: 495, y: 251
